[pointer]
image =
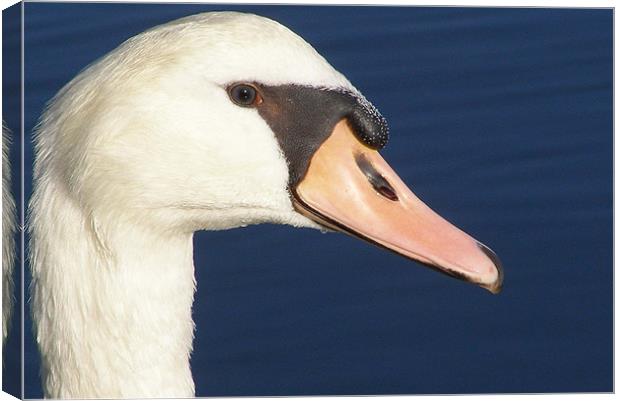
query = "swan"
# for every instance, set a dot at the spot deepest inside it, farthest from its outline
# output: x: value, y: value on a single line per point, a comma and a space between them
x: 8, y: 241
x: 209, y: 122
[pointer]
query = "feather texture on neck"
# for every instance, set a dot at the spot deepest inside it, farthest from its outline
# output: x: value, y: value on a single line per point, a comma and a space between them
x: 111, y: 304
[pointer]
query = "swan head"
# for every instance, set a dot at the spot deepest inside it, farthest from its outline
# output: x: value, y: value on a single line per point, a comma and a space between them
x: 221, y: 120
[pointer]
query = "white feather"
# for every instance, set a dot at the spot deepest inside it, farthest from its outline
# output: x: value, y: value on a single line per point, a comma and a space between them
x: 136, y: 153
x: 8, y: 232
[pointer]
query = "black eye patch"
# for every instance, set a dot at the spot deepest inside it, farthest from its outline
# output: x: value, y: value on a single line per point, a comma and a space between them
x: 303, y: 117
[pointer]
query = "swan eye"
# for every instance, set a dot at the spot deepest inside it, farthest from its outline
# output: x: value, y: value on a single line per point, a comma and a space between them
x: 244, y: 95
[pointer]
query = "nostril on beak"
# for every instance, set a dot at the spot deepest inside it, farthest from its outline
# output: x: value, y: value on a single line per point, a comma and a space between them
x: 378, y: 182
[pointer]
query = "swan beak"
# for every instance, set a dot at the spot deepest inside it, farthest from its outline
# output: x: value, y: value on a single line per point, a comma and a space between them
x: 349, y: 187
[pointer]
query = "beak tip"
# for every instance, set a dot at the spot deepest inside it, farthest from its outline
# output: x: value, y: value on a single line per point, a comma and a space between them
x: 496, y: 286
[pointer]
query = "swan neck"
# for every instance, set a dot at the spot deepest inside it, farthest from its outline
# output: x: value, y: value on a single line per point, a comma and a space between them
x: 111, y: 304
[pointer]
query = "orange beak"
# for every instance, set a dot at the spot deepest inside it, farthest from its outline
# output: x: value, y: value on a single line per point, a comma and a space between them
x: 349, y: 187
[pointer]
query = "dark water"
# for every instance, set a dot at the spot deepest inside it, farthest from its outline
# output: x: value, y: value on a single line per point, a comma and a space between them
x: 501, y: 120
x: 11, y: 72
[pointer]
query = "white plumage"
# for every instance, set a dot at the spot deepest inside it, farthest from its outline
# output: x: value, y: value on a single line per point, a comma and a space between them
x: 8, y: 232
x: 136, y: 153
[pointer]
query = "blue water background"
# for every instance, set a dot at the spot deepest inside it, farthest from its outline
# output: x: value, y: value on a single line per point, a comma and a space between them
x: 11, y: 115
x: 501, y: 120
